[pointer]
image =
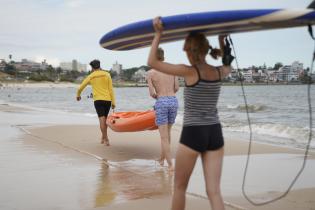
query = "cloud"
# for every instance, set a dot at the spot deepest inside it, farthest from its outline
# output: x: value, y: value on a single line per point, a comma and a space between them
x: 74, y: 3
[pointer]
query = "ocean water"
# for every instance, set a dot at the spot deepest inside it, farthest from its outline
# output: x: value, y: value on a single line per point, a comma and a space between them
x: 279, y: 114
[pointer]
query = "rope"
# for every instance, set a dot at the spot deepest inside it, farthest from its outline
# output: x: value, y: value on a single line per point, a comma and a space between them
x: 251, y: 135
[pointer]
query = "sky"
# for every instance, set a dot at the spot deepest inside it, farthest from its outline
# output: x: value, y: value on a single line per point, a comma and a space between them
x: 63, y: 30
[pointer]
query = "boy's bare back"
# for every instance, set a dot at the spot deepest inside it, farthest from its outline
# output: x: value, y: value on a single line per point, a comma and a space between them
x: 164, y: 84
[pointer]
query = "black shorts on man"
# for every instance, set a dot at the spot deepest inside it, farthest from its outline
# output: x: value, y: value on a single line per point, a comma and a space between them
x: 102, y: 107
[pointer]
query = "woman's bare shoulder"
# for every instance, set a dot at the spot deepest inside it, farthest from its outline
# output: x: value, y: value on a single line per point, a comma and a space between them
x: 225, y: 70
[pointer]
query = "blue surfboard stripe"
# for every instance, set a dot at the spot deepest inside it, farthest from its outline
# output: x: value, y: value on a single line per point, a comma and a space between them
x: 146, y: 43
x: 129, y: 30
x: 148, y: 40
x: 207, y: 18
x: 309, y: 16
x: 133, y: 44
x: 136, y: 43
x: 176, y: 21
x: 127, y: 37
x: 165, y: 37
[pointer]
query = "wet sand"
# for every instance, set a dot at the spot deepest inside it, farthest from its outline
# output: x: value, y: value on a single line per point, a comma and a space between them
x: 65, y: 167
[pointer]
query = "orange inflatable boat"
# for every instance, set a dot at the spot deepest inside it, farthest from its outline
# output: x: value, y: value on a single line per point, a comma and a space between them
x: 132, y: 121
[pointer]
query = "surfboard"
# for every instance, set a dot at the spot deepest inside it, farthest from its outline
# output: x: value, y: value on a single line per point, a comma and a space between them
x: 140, y: 34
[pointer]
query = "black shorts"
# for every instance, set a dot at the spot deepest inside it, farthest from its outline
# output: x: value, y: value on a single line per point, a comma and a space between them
x: 102, y: 107
x: 202, y: 137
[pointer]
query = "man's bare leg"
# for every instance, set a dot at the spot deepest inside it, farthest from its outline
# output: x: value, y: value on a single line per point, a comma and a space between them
x: 169, y: 132
x: 165, y: 146
x: 103, y: 127
x: 162, y: 156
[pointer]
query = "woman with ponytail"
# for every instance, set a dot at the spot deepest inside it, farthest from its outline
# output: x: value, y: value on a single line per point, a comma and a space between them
x: 202, y: 132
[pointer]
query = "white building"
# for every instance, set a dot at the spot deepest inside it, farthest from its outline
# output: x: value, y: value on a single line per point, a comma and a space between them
x: 27, y: 65
x: 247, y: 76
x: 117, y: 68
x: 261, y: 75
x: 67, y: 66
x: 297, y: 68
x: 74, y: 65
x: 234, y: 74
x: 2, y: 64
x: 272, y: 75
x: 290, y: 73
x: 140, y: 76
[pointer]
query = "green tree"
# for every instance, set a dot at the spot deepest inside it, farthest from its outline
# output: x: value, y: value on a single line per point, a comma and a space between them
x: 51, y: 72
x: 278, y: 65
x: 146, y: 68
x: 10, y: 69
x: 305, y: 77
x: 59, y: 70
x: 128, y: 73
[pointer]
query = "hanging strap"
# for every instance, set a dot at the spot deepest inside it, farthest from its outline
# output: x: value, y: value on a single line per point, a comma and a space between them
x: 310, y: 31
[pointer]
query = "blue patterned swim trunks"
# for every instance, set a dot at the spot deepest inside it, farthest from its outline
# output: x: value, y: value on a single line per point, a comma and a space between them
x: 165, y: 110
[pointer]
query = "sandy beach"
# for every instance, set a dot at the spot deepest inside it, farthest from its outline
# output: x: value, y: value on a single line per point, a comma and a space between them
x: 145, y: 145
x: 127, y: 177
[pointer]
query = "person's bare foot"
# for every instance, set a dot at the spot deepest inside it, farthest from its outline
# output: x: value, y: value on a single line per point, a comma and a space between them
x: 171, y: 169
x: 160, y: 161
x: 105, y: 142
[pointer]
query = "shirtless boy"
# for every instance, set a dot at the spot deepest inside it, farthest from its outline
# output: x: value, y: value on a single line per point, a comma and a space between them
x: 163, y: 87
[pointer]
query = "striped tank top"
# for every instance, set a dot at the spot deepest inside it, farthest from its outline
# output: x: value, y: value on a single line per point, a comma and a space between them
x: 200, y: 102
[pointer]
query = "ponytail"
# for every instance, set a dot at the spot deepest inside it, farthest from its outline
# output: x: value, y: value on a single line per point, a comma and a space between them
x: 198, y: 45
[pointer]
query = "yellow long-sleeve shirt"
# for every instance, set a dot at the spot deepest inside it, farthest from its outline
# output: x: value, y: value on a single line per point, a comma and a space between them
x: 102, y: 86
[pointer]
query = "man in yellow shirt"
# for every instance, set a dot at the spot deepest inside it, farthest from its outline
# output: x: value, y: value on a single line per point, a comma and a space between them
x: 103, y: 95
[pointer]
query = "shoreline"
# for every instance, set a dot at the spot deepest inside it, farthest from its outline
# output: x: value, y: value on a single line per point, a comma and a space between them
x: 126, y: 84
x: 31, y: 84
